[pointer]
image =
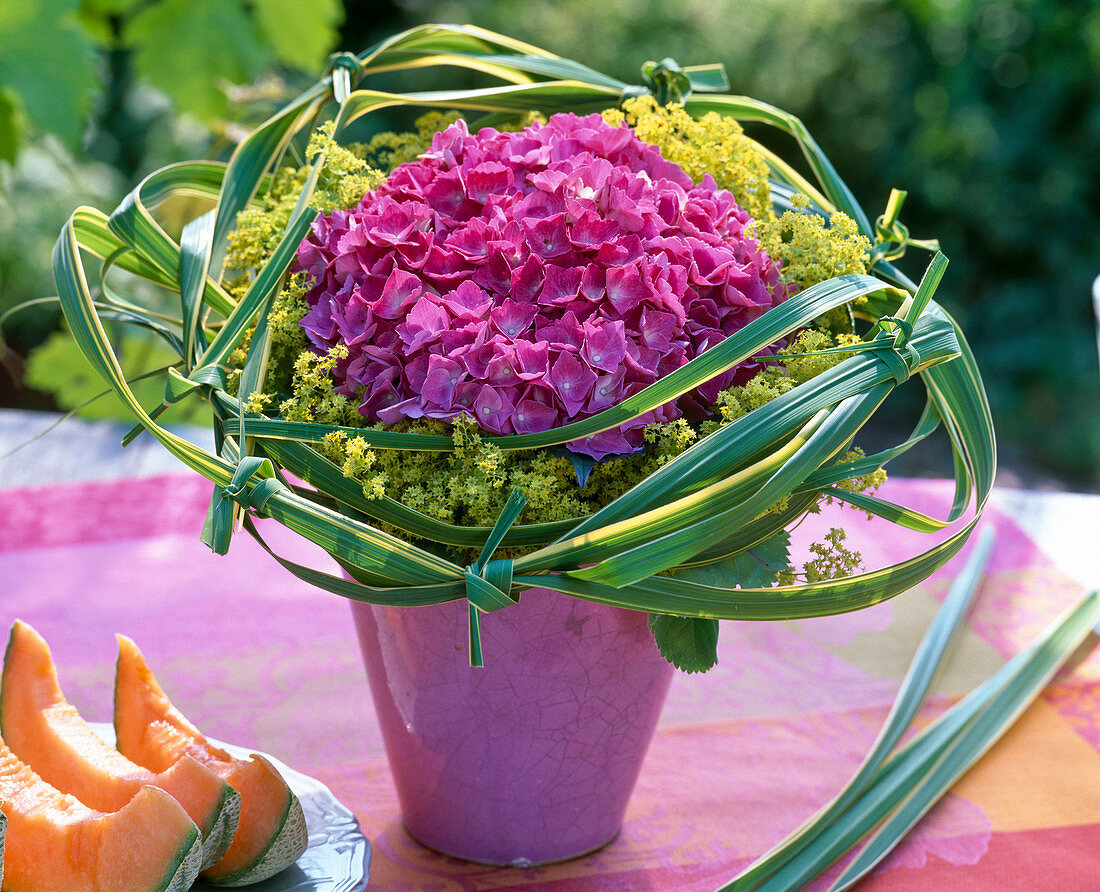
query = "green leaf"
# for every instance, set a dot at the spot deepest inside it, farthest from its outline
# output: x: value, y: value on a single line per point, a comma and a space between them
x: 211, y: 41
x: 58, y: 367
x: 993, y: 710
x: 11, y: 124
x: 108, y: 7
x: 754, y: 567
x: 688, y: 643
x: 47, y: 59
x: 915, y: 777
x: 302, y: 32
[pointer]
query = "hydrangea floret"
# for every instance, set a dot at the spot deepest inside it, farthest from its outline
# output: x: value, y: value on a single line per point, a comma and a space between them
x: 532, y: 278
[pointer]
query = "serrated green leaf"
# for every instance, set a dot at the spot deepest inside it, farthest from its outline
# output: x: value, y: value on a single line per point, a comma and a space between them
x: 690, y: 644
x: 755, y: 567
x: 302, y: 32
x: 47, y: 59
x: 212, y: 41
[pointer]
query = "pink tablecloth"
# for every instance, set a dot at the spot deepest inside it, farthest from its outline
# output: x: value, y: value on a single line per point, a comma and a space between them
x: 743, y: 754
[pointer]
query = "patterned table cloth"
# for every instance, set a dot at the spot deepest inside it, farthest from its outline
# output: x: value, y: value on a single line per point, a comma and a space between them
x: 743, y: 755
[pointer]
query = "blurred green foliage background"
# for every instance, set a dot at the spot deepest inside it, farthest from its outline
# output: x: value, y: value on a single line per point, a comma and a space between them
x: 986, y: 111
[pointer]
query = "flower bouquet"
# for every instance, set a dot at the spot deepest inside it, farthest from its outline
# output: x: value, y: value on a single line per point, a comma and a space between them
x: 560, y: 373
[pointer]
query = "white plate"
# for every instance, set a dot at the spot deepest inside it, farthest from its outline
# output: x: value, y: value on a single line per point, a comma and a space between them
x: 338, y: 856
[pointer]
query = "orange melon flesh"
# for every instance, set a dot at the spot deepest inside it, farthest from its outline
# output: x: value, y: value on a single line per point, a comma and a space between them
x: 55, y: 843
x: 149, y: 730
x: 47, y: 733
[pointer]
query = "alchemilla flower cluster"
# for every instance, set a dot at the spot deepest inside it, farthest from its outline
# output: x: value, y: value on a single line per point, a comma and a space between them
x: 528, y: 279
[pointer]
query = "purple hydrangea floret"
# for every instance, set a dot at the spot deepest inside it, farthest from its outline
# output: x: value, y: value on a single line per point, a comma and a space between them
x: 533, y: 278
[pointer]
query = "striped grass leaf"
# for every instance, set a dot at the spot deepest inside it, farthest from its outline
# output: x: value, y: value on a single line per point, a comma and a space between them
x: 552, y: 96
x: 905, y: 787
x: 196, y: 242
x: 760, y: 430
x: 87, y: 329
x: 712, y: 504
x: 694, y: 532
x: 745, y: 108
x: 912, y: 693
x: 319, y: 472
x: 987, y: 717
x: 258, y: 295
x: 669, y: 594
x: 434, y: 39
x: 133, y: 224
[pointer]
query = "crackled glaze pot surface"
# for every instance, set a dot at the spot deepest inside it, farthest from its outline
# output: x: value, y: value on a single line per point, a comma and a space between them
x: 532, y: 758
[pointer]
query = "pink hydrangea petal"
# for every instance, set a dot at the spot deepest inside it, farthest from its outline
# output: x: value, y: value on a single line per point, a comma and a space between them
x: 442, y: 377
x: 531, y: 417
x: 423, y: 324
x: 527, y: 280
x: 548, y: 237
x: 591, y: 231
x: 401, y: 291
x: 560, y: 284
x: 488, y: 178
x: 626, y: 287
x: 607, y: 391
x: 532, y: 360
x: 493, y: 409
x: 572, y: 381
x: 604, y: 344
x: 395, y: 412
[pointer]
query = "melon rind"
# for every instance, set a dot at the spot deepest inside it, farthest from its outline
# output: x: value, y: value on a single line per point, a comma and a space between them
x: 183, y: 877
x: 286, y: 847
x: 221, y: 825
x: 152, y: 732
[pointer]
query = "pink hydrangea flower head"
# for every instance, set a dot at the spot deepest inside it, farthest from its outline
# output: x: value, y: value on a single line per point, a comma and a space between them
x: 533, y: 278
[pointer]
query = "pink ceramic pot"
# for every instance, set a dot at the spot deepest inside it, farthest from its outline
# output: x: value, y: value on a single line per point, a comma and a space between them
x: 532, y: 758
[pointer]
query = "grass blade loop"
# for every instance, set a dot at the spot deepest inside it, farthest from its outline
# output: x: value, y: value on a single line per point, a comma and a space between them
x: 488, y: 582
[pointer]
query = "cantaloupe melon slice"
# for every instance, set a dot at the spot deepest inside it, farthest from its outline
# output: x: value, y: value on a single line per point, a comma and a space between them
x: 47, y: 733
x: 271, y: 834
x: 55, y: 843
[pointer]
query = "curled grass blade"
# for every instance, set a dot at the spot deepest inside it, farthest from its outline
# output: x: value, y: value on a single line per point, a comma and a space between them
x: 745, y: 108
x: 836, y: 428
x: 196, y: 242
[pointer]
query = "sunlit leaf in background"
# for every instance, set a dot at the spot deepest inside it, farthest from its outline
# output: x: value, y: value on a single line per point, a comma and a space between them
x: 49, y: 63
x: 11, y: 124
x: 194, y: 73
x: 301, y: 33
